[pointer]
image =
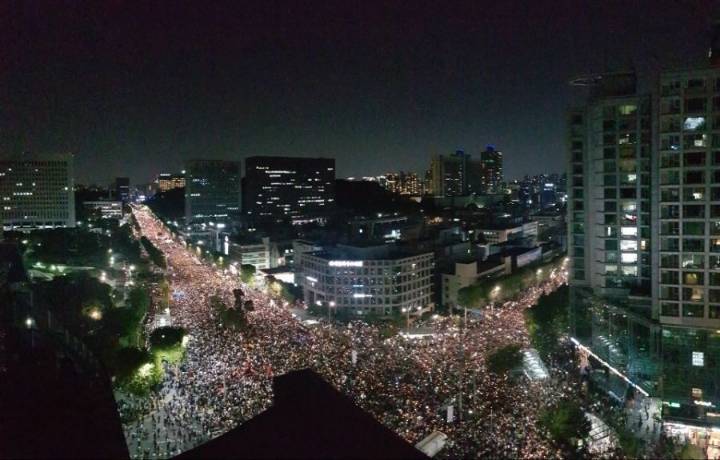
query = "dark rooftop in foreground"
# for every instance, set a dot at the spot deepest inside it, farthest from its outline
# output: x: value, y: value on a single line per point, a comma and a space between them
x: 53, y: 407
x: 309, y: 419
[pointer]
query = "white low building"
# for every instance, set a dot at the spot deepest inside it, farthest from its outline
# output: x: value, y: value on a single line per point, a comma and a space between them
x: 465, y: 273
x: 382, y: 279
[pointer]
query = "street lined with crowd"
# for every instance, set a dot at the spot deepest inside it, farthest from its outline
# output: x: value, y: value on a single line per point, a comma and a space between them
x: 226, y: 375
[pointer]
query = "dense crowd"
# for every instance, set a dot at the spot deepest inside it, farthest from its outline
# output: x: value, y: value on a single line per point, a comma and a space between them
x: 407, y: 384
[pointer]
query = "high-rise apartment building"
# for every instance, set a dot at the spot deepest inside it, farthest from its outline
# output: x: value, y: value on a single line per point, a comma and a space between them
x: 212, y: 190
x: 687, y: 287
x: 37, y: 192
x: 689, y: 199
x: 609, y: 208
x: 491, y: 169
x: 448, y: 174
x: 402, y: 183
x: 610, y: 234
x: 297, y: 189
x: 644, y: 239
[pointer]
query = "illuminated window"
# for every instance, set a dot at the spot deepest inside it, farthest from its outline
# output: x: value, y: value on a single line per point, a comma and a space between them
x: 628, y: 231
x: 630, y: 271
x: 627, y: 109
x: 694, y: 123
x: 698, y: 358
x: 628, y: 245
x: 628, y: 257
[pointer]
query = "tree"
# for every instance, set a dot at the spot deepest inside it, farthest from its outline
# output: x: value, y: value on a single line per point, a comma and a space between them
x: 155, y: 254
x: 547, y: 321
x: 505, y: 359
x: 166, y: 337
x: 473, y: 296
x: 128, y: 361
x: 247, y: 273
x: 566, y: 422
x: 233, y: 318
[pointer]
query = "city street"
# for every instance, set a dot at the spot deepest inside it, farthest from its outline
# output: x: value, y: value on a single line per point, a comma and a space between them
x: 226, y: 376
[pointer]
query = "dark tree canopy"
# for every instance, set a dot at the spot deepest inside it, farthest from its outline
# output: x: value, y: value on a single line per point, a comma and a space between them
x: 566, y: 422
x: 505, y: 359
x: 167, y: 337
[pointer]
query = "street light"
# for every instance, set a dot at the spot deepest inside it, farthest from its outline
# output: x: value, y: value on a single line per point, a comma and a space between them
x: 30, y: 324
x: 407, y: 310
x: 331, y: 305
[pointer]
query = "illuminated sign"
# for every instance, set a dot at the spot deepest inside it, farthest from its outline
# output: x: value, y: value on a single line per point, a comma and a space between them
x: 360, y: 296
x: 345, y: 263
x: 310, y: 278
x: 698, y: 358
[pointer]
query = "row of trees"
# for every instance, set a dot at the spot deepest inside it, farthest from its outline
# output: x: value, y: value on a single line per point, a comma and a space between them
x: 547, y: 322
x: 485, y: 291
x: 155, y: 254
x: 566, y: 424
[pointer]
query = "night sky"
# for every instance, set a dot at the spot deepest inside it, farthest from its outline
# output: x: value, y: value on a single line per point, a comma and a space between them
x: 135, y: 88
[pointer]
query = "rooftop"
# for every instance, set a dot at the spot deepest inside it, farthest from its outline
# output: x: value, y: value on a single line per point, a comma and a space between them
x: 309, y: 418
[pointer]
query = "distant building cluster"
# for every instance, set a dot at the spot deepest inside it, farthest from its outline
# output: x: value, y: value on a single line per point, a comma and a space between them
x: 402, y: 183
x: 167, y: 181
x: 454, y: 175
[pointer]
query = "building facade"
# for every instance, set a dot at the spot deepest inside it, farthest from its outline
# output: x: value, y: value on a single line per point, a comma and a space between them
x: 167, y: 181
x: 37, y: 193
x: 502, y: 233
x: 465, y: 273
x: 104, y: 209
x: 402, y: 183
x: 300, y: 190
x: 448, y: 174
x: 363, y: 280
x: 687, y: 287
x: 122, y: 189
x: 644, y: 238
x: 262, y: 254
x: 491, y: 170
x: 212, y: 190
x: 610, y: 198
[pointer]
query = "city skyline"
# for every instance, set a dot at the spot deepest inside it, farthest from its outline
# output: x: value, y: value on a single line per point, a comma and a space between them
x: 131, y: 92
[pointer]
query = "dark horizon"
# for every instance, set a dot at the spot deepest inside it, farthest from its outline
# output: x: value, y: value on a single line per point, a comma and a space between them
x: 133, y: 90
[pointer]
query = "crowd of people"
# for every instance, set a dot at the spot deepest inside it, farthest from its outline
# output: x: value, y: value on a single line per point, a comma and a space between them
x: 407, y: 384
